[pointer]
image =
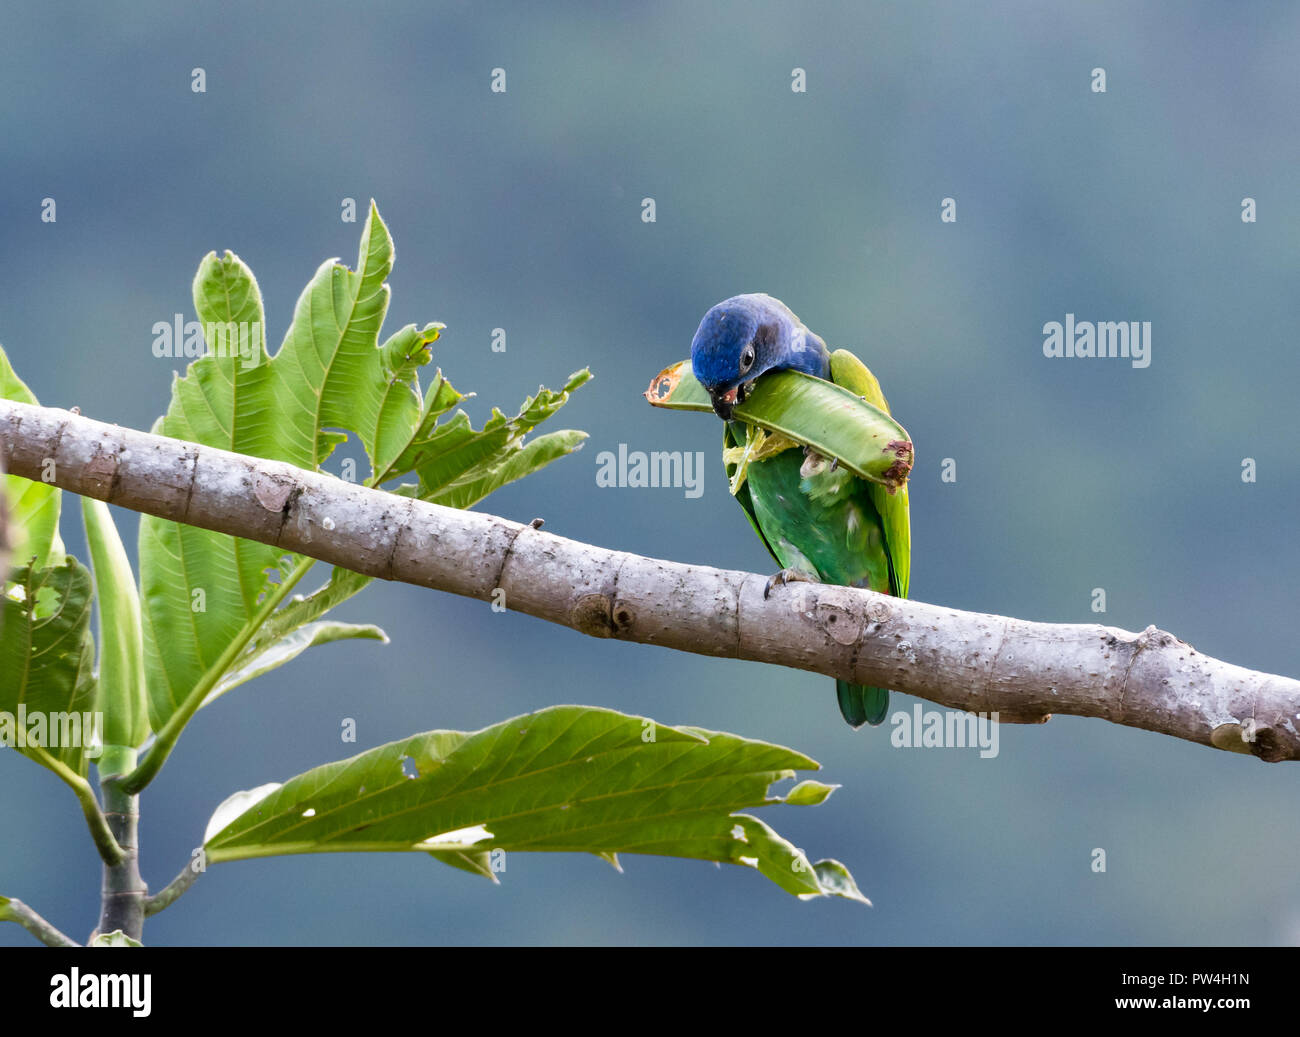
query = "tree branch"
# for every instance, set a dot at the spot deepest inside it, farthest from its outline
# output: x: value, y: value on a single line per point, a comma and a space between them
x: 16, y: 911
x: 173, y: 891
x: 984, y: 663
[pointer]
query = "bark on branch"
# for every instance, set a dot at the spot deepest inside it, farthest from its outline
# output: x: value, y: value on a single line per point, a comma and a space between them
x: 1024, y: 671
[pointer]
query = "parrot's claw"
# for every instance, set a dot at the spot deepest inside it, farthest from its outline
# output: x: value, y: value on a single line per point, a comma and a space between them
x: 787, y: 576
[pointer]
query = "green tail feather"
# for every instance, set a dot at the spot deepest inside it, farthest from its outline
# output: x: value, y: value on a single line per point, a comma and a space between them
x: 862, y: 705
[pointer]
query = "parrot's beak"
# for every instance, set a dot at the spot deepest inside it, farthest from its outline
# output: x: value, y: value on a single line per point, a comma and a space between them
x: 723, y: 403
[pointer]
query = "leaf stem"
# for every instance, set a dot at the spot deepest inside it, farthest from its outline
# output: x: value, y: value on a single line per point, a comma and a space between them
x: 167, y: 738
x: 107, y: 845
x: 173, y: 891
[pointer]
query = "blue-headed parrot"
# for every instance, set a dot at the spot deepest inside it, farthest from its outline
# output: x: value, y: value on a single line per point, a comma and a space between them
x: 818, y: 520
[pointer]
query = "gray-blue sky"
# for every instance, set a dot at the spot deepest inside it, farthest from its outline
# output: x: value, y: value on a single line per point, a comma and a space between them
x: 522, y: 211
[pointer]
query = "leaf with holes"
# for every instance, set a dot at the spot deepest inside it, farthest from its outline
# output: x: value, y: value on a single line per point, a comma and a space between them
x: 564, y: 779
x: 47, y: 683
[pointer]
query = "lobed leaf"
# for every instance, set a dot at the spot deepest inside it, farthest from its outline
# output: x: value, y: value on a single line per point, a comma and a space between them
x: 203, y: 591
x: 460, y: 465
x: 564, y: 779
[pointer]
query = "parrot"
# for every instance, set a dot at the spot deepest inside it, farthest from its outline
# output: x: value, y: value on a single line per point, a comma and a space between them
x: 821, y: 523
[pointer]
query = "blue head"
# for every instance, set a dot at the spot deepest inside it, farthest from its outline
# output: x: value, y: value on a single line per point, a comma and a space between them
x: 746, y: 336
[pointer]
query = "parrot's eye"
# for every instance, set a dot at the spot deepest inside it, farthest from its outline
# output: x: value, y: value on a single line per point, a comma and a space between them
x: 746, y: 359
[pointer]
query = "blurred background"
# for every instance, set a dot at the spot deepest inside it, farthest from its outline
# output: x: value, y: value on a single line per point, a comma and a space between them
x: 523, y: 211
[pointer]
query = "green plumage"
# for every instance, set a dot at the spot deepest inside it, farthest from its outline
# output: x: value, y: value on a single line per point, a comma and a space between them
x: 825, y: 523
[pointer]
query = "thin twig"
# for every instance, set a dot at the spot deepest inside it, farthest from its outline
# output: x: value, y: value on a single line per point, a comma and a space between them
x: 16, y: 911
x: 173, y: 891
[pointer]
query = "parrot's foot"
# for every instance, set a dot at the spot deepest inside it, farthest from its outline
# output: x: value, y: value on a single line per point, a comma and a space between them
x: 788, y: 576
x: 815, y: 464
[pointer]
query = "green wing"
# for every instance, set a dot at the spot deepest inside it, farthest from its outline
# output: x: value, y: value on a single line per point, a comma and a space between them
x: 847, y: 370
x: 800, y: 511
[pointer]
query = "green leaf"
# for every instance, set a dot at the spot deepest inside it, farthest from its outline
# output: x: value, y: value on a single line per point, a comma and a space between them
x: 208, y: 601
x: 568, y: 778
x: 459, y: 465
x: 395, y: 409
x: 117, y: 938
x: 331, y: 366
x: 507, y: 466
x: 476, y: 862
x: 299, y: 611
x: 836, y: 881
x: 812, y: 411
x: 201, y: 590
x: 121, y: 649
x: 33, y: 507
x: 47, y: 664
x: 33, y: 521
x: 809, y: 793
x: 295, y: 627
x: 438, y: 400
